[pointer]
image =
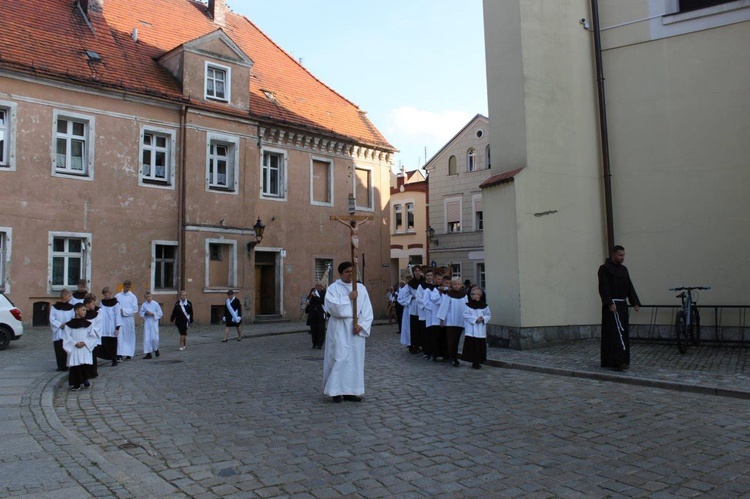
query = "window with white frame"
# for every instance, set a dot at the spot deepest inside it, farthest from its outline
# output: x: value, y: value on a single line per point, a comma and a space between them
x: 480, y: 276
x: 471, y: 160
x: 478, y: 214
x: 73, y: 147
x: 164, y: 266
x: 689, y: 5
x: 453, y: 215
x: 398, y: 218
x: 455, y: 270
x: 218, y: 82
x: 157, y: 160
x: 222, y: 159
x: 221, y: 263
x: 321, y: 182
x: 678, y: 17
x: 452, y: 166
x: 68, y: 259
x: 409, y: 217
x: 7, y: 135
x: 273, y: 174
x: 363, y: 189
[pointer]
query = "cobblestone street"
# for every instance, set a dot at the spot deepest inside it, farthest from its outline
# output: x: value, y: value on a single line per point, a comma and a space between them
x: 247, y: 419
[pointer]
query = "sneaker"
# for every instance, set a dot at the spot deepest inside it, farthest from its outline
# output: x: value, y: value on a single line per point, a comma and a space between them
x: 181, y: 349
x: 157, y: 353
x: 75, y: 388
x: 87, y: 384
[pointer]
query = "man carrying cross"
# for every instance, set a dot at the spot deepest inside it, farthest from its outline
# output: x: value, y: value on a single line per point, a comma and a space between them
x: 344, y: 361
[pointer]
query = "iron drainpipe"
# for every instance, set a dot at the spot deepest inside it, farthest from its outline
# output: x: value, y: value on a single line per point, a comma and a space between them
x: 183, y: 202
x: 604, y: 135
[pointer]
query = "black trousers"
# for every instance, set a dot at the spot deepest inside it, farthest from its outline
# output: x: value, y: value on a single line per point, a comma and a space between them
x: 108, y: 350
x: 452, y: 338
x: 399, y: 315
x: 93, y: 368
x: 436, y: 339
x: 61, y: 356
x: 318, y: 332
x: 416, y: 331
x: 78, y: 374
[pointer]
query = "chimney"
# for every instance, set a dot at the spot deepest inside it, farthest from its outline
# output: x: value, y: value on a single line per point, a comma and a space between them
x: 218, y: 10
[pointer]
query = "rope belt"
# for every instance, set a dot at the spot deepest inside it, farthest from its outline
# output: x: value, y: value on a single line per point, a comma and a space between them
x: 620, y: 329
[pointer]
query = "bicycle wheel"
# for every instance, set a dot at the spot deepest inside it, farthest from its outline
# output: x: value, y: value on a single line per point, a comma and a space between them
x: 695, y: 326
x: 680, y: 332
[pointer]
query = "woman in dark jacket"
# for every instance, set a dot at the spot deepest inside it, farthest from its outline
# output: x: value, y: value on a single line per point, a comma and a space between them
x: 316, y: 314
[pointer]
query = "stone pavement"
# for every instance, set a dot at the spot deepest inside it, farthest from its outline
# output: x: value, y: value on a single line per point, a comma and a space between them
x: 246, y: 419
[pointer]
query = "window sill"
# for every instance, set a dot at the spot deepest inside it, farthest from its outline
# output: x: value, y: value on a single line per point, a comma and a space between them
x: 223, y: 289
x: 221, y: 189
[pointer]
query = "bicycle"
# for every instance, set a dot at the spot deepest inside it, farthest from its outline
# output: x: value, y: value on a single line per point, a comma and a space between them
x: 687, y: 325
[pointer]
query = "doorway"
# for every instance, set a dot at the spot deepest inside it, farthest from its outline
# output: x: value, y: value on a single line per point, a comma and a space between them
x: 266, y: 283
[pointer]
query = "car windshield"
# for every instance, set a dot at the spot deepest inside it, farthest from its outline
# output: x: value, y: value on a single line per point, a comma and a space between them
x: 5, y: 301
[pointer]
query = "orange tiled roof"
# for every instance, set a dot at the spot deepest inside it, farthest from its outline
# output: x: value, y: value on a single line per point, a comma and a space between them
x: 500, y: 178
x: 50, y: 38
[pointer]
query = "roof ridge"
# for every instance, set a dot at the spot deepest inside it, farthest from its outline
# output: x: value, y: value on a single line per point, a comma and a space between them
x: 287, y: 54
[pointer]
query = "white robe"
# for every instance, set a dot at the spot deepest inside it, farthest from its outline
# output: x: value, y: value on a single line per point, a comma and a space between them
x: 406, y: 300
x: 110, y: 319
x: 151, y: 325
x: 452, y: 311
x: 431, y: 304
x: 128, y: 308
x: 471, y: 326
x: 344, y: 361
x: 56, y: 319
x: 79, y: 356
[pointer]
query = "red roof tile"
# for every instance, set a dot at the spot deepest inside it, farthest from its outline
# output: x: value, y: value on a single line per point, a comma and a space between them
x: 50, y: 38
x: 501, y: 178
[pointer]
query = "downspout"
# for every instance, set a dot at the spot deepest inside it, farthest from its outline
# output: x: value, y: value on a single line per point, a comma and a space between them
x: 604, y: 135
x: 183, y: 201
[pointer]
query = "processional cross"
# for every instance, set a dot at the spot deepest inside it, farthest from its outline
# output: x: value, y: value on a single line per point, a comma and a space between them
x: 353, y: 222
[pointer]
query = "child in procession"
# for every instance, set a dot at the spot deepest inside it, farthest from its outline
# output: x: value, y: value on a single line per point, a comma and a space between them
x: 476, y: 317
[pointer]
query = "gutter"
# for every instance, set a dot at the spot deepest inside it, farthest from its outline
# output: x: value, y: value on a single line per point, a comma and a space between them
x: 603, y: 132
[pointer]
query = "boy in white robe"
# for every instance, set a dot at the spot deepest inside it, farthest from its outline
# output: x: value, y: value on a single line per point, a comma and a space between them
x: 59, y: 314
x: 476, y: 316
x: 92, y: 315
x: 151, y: 313
x: 451, y: 315
x: 110, y: 325
x: 128, y: 309
x: 344, y: 360
x: 79, y: 342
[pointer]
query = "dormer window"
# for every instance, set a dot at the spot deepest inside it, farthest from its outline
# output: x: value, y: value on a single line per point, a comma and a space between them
x: 218, y: 79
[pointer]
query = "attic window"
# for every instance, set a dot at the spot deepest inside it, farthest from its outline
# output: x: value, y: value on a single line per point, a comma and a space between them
x: 93, y: 56
x: 269, y: 95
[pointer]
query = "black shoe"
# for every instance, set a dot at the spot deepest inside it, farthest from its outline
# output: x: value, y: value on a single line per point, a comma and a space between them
x: 455, y: 363
x: 119, y: 357
x: 87, y: 384
x: 476, y: 365
x: 147, y: 356
x: 337, y: 399
x: 114, y: 363
x: 352, y: 398
x: 157, y: 353
x: 75, y: 388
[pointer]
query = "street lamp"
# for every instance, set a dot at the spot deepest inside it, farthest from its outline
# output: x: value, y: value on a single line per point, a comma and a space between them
x: 259, y: 227
x: 431, y: 236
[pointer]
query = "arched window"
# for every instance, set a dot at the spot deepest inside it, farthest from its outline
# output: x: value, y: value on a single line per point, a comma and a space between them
x: 471, y: 160
x: 452, y: 167
x: 487, y: 155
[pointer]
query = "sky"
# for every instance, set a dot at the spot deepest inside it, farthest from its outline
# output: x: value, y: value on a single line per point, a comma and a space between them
x: 416, y: 66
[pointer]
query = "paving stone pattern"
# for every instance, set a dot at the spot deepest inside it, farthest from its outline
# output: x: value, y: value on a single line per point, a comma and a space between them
x: 247, y: 419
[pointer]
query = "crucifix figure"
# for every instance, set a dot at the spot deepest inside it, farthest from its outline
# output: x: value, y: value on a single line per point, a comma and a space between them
x: 353, y: 222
